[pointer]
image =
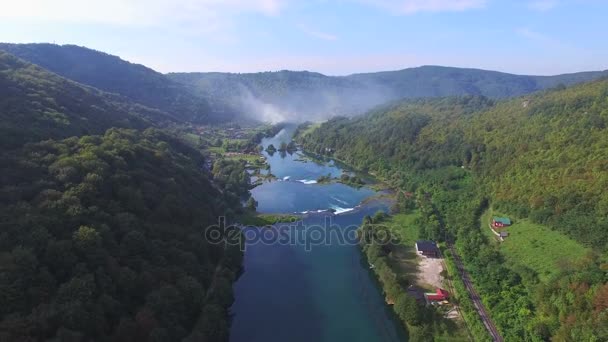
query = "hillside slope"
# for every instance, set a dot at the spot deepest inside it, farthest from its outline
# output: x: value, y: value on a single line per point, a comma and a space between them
x: 541, y: 159
x: 101, y: 238
x: 36, y: 104
x: 313, y: 96
x: 102, y: 218
x: 438, y: 81
x: 543, y: 155
x: 112, y: 74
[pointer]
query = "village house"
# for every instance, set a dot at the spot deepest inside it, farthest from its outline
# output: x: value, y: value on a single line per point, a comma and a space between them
x: 416, y: 293
x: 500, y: 222
x: 439, y: 296
x: 427, y: 248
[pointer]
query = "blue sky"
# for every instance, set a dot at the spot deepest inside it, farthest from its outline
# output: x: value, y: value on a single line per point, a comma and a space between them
x: 335, y: 37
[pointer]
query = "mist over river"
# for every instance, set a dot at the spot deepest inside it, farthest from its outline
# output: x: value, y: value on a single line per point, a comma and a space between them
x: 299, y: 292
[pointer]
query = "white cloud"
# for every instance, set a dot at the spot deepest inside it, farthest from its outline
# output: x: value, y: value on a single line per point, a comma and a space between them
x: 543, y: 5
x: 317, y: 34
x: 531, y: 34
x: 415, y: 6
x: 138, y: 13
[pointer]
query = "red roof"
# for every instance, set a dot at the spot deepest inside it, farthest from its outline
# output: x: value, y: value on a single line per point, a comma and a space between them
x: 440, y: 295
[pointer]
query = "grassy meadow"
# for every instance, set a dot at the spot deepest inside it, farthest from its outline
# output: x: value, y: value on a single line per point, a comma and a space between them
x: 535, y: 246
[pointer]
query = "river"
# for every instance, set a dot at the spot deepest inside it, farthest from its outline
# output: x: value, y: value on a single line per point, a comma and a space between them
x: 308, y: 289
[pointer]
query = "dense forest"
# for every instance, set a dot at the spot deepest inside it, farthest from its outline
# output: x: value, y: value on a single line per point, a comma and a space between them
x: 542, y: 157
x: 102, y: 236
x: 104, y: 199
x: 111, y: 74
x: 287, y: 95
x: 103, y: 218
x: 36, y: 104
x: 301, y: 96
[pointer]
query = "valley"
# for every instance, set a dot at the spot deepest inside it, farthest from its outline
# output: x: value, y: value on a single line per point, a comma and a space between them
x: 113, y: 175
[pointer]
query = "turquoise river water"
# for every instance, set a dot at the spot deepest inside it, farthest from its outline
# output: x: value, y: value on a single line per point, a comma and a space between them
x: 316, y: 288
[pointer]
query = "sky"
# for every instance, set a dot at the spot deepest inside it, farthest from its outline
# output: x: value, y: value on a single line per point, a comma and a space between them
x: 335, y: 37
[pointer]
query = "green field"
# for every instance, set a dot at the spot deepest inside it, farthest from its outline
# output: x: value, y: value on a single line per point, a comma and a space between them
x: 535, y: 246
x: 405, y: 225
x: 263, y: 220
x: 402, y: 258
x: 308, y: 130
x: 250, y: 158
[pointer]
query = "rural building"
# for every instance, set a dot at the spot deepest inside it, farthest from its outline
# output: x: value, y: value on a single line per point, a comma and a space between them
x: 427, y: 248
x: 504, y: 234
x: 416, y: 293
x: 438, y: 296
x: 500, y: 222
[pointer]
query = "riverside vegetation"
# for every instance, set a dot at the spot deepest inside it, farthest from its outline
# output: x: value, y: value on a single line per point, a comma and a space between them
x: 109, y: 173
x: 540, y: 157
x: 101, y: 218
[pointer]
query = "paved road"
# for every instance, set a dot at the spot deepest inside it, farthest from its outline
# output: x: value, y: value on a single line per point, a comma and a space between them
x: 481, y: 310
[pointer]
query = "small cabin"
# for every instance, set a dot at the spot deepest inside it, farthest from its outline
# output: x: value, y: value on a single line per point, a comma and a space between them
x: 438, y: 296
x: 416, y: 293
x: 427, y: 248
x: 500, y: 222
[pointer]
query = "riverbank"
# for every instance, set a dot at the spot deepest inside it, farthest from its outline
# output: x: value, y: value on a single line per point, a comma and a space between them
x: 396, y: 268
x: 265, y: 220
x: 403, y: 279
x: 316, y: 290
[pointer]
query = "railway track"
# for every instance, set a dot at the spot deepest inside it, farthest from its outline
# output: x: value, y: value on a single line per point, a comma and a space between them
x: 481, y: 310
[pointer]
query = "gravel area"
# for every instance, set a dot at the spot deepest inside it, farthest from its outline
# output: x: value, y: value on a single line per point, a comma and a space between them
x: 429, y: 272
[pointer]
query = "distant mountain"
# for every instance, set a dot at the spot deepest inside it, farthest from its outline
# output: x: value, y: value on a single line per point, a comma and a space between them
x: 542, y: 155
x: 275, y: 96
x: 112, y: 74
x: 286, y: 95
x: 311, y: 96
x: 36, y: 104
x: 438, y: 81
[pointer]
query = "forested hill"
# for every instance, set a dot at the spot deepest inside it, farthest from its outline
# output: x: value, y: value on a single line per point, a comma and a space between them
x: 542, y: 156
x: 102, y: 238
x: 287, y: 95
x: 541, y: 160
x: 438, y: 81
x: 312, y: 96
x: 102, y: 218
x: 274, y: 96
x: 36, y: 104
x: 112, y: 74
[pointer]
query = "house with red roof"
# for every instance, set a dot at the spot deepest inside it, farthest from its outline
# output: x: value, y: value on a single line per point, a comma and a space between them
x: 438, y: 296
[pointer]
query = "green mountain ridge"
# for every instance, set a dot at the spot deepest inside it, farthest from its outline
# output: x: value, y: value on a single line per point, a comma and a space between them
x: 36, y: 104
x: 275, y: 96
x: 314, y: 96
x: 102, y: 218
x: 111, y: 74
x: 541, y: 154
x: 540, y: 159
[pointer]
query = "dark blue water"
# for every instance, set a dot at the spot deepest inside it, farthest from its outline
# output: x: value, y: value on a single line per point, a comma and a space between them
x: 314, y: 287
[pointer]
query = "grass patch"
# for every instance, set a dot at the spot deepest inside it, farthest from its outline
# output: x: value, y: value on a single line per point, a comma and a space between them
x: 216, y: 149
x: 191, y: 139
x: 249, y: 158
x: 309, y: 129
x: 262, y: 220
x: 406, y: 226
x: 536, y: 246
x: 402, y: 258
